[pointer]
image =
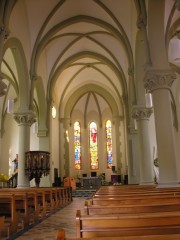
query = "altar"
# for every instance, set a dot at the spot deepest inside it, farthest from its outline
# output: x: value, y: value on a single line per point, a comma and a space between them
x: 91, y: 182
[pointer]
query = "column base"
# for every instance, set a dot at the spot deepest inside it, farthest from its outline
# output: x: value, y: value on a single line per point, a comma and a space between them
x: 23, y: 186
x: 147, y: 183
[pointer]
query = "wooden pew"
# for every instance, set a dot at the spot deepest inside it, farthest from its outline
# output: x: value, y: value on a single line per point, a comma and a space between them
x: 8, y: 210
x: 127, y: 224
x: 139, y: 195
x: 61, y: 196
x: 115, y: 191
x: 2, y: 219
x: 126, y: 190
x: 16, y: 207
x: 135, y: 200
x: 26, y: 200
x: 126, y: 209
x: 142, y: 203
x: 28, y: 205
x: 135, y: 196
x: 62, y: 236
x: 45, y: 200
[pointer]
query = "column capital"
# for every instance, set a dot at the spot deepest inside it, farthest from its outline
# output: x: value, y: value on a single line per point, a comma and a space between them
x: 159, y: 79
x: 66, y: 122
x: 33, y: 76
x: 25, y: 118
x: 117, y: 119
x: 177, y: 4
x: 141, y: 22
x: 3, y: 87
x: 4, y: 32
x: 125, y: 99
x: 141, y: 113
x: 130, y: 71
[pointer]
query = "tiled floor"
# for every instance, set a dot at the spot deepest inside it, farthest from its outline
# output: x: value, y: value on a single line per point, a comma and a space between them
x: 64, y: 218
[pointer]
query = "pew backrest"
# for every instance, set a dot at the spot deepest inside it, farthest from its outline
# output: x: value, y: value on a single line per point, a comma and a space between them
x: 127, y: 224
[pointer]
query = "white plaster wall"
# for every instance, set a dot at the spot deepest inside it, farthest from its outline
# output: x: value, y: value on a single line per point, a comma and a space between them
x: 10, y: 144
x: 34, y: 140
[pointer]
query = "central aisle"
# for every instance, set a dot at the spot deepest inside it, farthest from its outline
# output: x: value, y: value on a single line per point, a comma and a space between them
x: 64, y: 218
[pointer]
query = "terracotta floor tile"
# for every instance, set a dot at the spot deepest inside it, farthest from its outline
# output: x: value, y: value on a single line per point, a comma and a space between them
x: 64, y: 218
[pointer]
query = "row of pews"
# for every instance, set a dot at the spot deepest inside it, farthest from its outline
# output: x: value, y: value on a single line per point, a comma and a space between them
x: 130, y: 212
x: 20, y: 208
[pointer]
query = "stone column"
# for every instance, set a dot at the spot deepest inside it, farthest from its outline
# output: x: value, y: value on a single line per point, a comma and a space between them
x: 116, y: 122
x: 142, y: 115
x: 159, y: 83
x: 24, y: 120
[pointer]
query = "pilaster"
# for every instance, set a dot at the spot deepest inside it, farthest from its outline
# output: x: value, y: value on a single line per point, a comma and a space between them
x: 116, y: 122
x: 66, y: 124
x: 142, y: 115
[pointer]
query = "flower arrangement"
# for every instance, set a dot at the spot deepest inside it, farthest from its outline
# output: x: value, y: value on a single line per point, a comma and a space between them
x: 102, y: 176
x: 3, y: 177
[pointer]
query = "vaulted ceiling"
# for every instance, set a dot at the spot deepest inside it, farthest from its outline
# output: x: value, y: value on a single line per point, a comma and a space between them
x: 76, y: 44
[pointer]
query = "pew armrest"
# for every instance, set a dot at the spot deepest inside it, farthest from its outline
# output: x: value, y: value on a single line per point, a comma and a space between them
x: 61, y: 234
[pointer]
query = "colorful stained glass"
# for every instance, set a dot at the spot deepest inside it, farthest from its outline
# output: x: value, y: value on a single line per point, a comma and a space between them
x: 77, y: 145
x: 93, y: 144
x: 109, y: 144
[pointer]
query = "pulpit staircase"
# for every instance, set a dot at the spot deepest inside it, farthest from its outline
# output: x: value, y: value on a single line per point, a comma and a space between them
x: 12, y: 181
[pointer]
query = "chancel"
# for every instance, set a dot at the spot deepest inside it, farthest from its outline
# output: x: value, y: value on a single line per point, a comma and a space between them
x: 90, y: 104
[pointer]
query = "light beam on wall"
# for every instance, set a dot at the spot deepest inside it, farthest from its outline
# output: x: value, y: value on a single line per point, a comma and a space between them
x: 35, y: 127
x: 10, y: 105
x: 174, y: 48
x: 148, y: 98
x: 53, y: 111
x: 67, y: 136
x: 135, y: 124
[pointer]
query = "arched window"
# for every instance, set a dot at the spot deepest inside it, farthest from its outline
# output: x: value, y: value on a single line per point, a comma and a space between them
x: 93, y: 146
x: 109, y: 144
x: 77, y: 146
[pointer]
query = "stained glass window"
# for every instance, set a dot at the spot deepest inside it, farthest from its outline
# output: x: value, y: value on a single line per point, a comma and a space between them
x: 93, y: 144
x: 109, y: 144
x: 77, y: 145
